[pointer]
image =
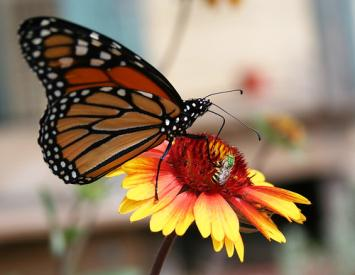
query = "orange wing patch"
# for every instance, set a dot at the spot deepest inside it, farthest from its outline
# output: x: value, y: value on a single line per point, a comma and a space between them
x: 63, y: 139
x: 108, y: 100
x: 86, y: 75
x: 130, y: 78
x: 59, y: 39
x: 146, y: 104
x: 57, y: 52
x: 76, y: 148
x: 118, y: 162
x: 126, y: 121
x: 87, y: 110
x: 90, y: 162
x: 70, y: 122
x: 170, y: 107
x: 112, y: 147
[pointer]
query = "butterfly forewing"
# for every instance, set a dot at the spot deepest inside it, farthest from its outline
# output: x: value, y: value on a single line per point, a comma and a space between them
x: 67, y: 57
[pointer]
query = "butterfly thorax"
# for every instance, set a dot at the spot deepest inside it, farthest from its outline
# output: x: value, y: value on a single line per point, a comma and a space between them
x: 192, y: 109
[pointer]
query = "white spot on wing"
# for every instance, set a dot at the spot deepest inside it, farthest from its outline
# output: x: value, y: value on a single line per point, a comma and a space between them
x: 60, y: 84
x: 94, y: 35
x: 146, y: 94
x: 37, y: 41
x: 44, y: 32
x: 138, y: 64
x: 114, y: 44
x: 81, y: 50
x: 106, y: 89
x: 115, y: 52
x: 85, y: 92
x: 44, y: 22
x: 121, y: 92
x: 82, y: 42
x: 105, y: 55
x: 52, y: 75
x: 96, y: 43
x: 96, y: 62
x: 66, y: 62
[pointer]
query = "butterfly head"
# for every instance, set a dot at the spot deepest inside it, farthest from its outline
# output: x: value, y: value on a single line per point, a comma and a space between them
x: 196, y: 107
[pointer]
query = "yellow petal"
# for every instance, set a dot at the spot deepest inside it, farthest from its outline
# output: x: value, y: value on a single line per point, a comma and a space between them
x: 145, y: 210
x: 115, y: 173
x: 229, y: 219
x: 239, y: 247
x: 128, y: 205
x: 260, y: 220
x: 187, y: 217
x: 280, y: 206
x: 217, y: 246
x: 141, y: 164
x: 151, y: 206
x: 136, y: 179
x: 285, y: 194
x: 141, y: 192
x: 175, y: 216
x: 255, y: 176
x: 229, y: 247
x: 202, y: 215
x: 217, y: 230
x: 214, y: 216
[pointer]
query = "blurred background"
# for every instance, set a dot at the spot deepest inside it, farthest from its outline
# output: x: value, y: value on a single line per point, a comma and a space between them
x: 295, y: 60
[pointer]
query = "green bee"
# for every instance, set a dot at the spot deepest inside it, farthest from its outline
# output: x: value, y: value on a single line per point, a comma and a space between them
x: 224, y: 169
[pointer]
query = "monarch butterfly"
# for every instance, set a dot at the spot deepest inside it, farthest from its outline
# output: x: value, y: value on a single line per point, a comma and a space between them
x: 106, y: 105
x: 224, y: 169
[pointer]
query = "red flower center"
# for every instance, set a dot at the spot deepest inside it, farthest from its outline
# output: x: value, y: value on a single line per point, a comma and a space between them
x: 222, y: 170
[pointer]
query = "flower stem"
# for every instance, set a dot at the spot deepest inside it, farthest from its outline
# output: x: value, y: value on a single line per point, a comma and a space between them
x: 163, y: 252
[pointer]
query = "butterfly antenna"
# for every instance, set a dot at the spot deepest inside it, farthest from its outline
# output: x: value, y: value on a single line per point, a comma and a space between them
x: 223, y: 122
x: 225, y: 92
x: 241, y: 122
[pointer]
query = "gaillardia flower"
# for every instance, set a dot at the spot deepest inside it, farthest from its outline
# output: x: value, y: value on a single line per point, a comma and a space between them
x: 214, y: 189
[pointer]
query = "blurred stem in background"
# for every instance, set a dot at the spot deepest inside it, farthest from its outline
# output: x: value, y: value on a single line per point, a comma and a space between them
x: 178, y: 32
x: 67, y: 242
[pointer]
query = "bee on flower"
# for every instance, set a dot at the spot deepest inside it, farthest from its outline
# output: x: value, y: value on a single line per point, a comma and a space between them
x: 224, y: 169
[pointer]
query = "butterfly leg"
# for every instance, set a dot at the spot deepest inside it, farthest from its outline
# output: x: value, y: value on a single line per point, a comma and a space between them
x: 192, y: 136
x: 158, y: 170
x: 220, y: 128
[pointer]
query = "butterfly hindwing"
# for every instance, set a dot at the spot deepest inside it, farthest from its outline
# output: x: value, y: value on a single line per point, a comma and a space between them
x: 90, y: 132
x: 67, y: 57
